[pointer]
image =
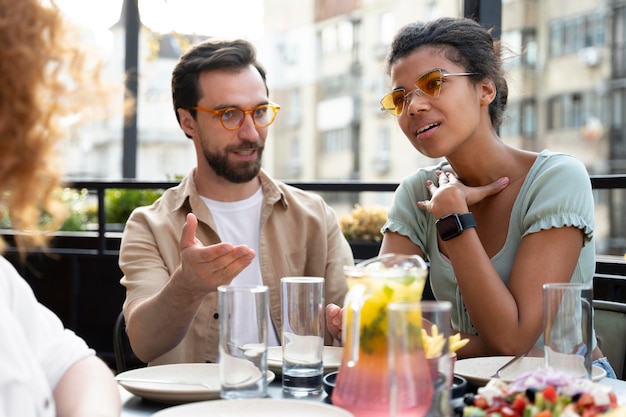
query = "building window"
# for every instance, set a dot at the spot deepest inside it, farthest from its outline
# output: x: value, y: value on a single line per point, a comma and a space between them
x: 529, y: 119
x: 555, y: 113
x: 619, y: 42
x: 294, y: 117
x: 529, y: 43
x: 556, y: 38
x: 513, y: 40
x: 571, y: 111
x: 618, y: 106
x: 521, y: 119
x: 293, y: 165
x: 511, y: 122
x: 337, y: 37
x: 570, y: 35
x: 383, y: 142
x: 336, y: 140
x: 382, y: 159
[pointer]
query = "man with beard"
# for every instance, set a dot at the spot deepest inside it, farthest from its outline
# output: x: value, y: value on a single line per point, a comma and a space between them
x: 227, y: 222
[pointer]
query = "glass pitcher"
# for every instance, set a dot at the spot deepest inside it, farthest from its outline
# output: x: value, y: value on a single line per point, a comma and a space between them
x: 363, y: 383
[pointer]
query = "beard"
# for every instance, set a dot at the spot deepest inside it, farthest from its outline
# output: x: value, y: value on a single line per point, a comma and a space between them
x: 240, y: 172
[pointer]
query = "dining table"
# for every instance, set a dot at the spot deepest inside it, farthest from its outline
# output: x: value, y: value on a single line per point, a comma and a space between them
x: 134, y: 406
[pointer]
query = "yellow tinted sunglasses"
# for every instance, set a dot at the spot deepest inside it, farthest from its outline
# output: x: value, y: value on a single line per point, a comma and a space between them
x: 428, y: 84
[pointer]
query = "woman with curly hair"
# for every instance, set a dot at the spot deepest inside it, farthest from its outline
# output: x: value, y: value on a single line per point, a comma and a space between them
x: 45, y: 369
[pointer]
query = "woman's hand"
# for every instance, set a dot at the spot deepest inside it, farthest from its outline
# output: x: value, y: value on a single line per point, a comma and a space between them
x: 451, y: 191
x: 334, y: 322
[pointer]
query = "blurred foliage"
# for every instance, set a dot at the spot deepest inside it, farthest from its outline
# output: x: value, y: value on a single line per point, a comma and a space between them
x: 82, y: 210
x: 364, y: 223
x: 82, y: 207
x: 119, y: 203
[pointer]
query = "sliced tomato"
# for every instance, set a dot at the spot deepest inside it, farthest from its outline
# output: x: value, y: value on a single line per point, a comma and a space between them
x: 519, y: 404
x: 544, y: 413
x: 550, y: 394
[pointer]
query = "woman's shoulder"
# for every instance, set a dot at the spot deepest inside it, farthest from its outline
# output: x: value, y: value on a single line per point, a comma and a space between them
x: 547, y: 159
x: 558, y: 164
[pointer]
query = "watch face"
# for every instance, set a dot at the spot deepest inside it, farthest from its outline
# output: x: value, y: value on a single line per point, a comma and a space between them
x: 449, y: 227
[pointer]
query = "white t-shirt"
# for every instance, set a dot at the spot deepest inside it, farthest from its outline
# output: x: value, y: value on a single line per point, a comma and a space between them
x: 35, y: 349
x: 239, y: 223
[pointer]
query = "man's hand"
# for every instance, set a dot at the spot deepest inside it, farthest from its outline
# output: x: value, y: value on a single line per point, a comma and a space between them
x: 334, y: 320
x: 204, y: 268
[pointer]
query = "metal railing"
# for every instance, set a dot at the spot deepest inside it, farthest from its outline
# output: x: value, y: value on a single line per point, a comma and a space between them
x: 598, y: 182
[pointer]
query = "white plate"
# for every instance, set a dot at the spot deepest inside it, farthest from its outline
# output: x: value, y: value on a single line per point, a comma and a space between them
x: 265, y: 407
x: 174, y: 384
x: 479, y: 370
x: 331, y: 358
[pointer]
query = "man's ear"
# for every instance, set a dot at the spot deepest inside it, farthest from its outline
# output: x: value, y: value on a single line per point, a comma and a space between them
x: 187, y: 122
x: 487, y: 92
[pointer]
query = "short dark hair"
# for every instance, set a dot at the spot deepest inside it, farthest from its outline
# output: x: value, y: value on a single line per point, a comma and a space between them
x: 208, y: 55
x: 464, y: 42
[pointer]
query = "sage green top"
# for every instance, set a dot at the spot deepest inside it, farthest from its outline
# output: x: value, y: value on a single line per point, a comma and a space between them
x: 556, y: 193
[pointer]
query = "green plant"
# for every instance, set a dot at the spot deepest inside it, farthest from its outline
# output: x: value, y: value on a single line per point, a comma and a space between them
x: 119, y: 203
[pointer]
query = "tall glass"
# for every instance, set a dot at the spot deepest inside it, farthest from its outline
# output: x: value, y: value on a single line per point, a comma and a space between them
x: 302, y: 300
x: 568, y: 321
x: 436, y: 335
x: 243, y: 341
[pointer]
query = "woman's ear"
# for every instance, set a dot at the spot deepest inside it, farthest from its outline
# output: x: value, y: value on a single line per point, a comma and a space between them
x: 487, y: 92
x: 187, y: 122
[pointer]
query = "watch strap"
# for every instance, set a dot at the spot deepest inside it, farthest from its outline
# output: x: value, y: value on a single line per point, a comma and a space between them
x: 466, y: 220
x: 454, y: 224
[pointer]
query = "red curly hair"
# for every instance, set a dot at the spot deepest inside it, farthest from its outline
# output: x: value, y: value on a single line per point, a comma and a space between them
x: 43, y: 79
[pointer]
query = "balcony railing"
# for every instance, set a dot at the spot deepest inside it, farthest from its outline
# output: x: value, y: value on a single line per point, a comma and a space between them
x: 599, y: 182
x: 78, y: 276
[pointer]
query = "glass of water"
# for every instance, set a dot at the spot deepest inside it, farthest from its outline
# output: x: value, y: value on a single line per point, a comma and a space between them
x: 302, y: 300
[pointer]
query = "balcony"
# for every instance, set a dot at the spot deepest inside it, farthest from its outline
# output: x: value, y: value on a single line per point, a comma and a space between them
x: 78, y: 276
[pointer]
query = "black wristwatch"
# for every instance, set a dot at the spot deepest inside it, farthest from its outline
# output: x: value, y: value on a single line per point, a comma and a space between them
x: 452, y: 225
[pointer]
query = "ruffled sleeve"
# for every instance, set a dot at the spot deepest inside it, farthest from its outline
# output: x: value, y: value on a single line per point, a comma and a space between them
x: 560, y: 195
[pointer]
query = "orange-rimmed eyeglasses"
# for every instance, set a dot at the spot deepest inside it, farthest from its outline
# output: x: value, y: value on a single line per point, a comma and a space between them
x: 232, y: 117
x: 428, y: 84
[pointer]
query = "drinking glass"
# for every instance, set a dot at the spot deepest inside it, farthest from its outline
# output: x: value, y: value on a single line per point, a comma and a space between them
x: 567, y: 316
x: 243, y: 341
x: 436, y: 336
x: 302, y: 300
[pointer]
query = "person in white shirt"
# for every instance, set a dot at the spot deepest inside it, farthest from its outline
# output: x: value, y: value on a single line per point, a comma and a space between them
x: 45, y: 369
